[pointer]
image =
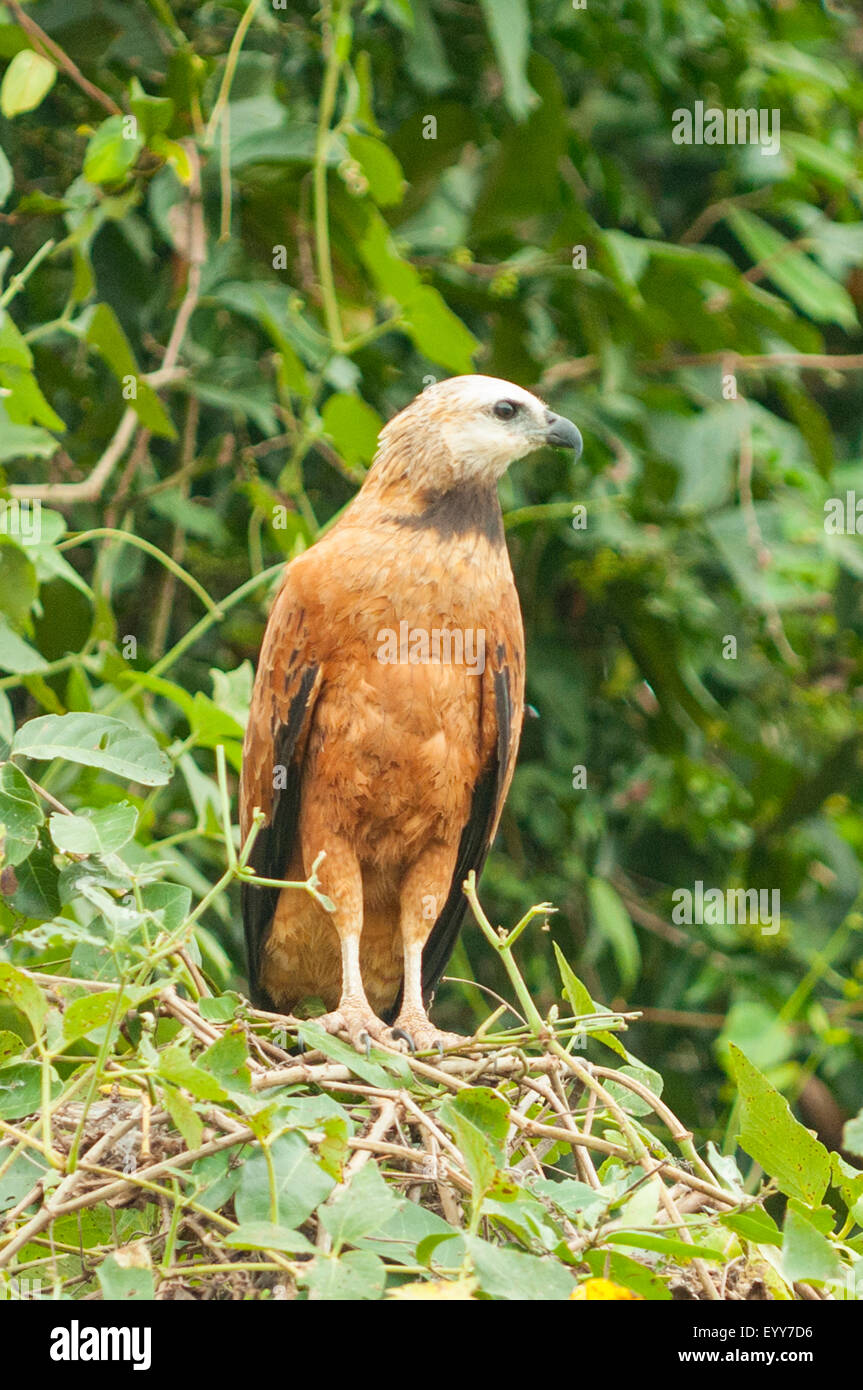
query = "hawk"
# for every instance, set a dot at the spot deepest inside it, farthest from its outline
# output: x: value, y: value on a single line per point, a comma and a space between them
x: 386, y: 716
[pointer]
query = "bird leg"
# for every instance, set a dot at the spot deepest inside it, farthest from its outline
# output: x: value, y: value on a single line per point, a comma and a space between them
x: 340, y: 878
x: 423, y: 894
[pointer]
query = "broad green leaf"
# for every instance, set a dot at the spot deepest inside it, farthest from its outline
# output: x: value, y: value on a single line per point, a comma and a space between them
x: 612, y: 921
x: 36, y: 894
x: 381, y: 168
x: 478, y: 1118
x: 852, y: 1135
x: 368, y: 1069
x: 805, y: 283
x: 806, y: 1253
x: 576, y: 1199
x: 94, y: 832
x: 123, y: 1284
x: 25, y: 994
x: 581, y: 1002
x: 184, y: 1115
x: 16, y: 654
x: 622, y: 1269
x: 301, y: 1184
x: 82, y: 1016
x: 21, y: 1091
x: 24, y: 441
x: 112, y: 151
x: 177, y: 1066
x: 359, y: 1210
x: 356, y: 1275
x: 228, y: 1059
x: 753, y: 1225
x: 103, y: 331
x: 26, y: 82
x: 94, y: 740
x: 508, y: 24
x: 511, y: 1275
x: 261, y: 1235
x: 770, y: 1134
x: 20, y: 814
x: 353, y: 426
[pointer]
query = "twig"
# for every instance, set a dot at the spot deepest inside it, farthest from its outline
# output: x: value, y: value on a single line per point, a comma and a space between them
x: 45, y: 44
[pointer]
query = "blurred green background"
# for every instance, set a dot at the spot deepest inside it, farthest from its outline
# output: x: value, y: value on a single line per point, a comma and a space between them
x: 315, y: 211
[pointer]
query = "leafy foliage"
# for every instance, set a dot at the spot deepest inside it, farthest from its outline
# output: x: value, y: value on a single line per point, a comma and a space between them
x: 239, y: 237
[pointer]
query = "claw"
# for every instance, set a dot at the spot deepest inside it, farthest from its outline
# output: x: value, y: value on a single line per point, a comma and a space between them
x: 365, y: 1039
x: 405, y: 1036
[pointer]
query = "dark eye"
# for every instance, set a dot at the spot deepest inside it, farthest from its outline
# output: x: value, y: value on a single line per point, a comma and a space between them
x: 505, y: 410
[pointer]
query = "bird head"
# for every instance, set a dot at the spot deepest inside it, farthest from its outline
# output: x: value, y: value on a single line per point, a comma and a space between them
x: 469, y: 429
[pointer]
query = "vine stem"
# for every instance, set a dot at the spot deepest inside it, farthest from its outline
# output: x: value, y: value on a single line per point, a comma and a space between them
x: 230, y: 69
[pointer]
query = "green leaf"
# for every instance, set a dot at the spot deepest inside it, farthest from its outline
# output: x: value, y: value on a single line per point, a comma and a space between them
x: 102, y: 329
x: 122, y: 1285
x: 754, y: 1225
x: 478, y: 1117
x: 20, y: 815
x: 154, y: 114
x: 16, y: 654
x: 176, y: 1065
x: 95, y: 740
x: 508, y: 1274
x: 381, y: 168
x: 353, y: 426
x: 770, y: 1134
x: 574, y: 1198
x: 36, y: 894
x: 508, y: 24
x: 7, y: 182
x: 25, y: 994
x: 662, y: 1245
x: 621, y: 1269
x: 612, y: 921
x: 368, y: 1069
x: 184, y: 1115
x: 228, y: 1059
x: 21, y: 1090
x: 581, y: 1002
x: 806, y: 1253
x: 852, y: 1135
x: 261, y: 1235
x: 112, y: 151
x: 357, y: 1275
x: 83, y: 1016
x: 26, y: 82
x: 24, y: 441
x: 94, y: 832
x: 804, y: 282
x: 359, y: 1210
x: 301, y: 1184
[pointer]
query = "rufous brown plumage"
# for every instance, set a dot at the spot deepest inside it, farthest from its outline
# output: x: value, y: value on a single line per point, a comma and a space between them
x: 386, y: 716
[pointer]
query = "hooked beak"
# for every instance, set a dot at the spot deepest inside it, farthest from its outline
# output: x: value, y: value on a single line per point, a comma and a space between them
x: 563, y: 433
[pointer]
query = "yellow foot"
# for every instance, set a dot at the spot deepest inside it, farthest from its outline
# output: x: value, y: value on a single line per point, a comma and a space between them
x: 358, y: 1023
x: 421, y: 1035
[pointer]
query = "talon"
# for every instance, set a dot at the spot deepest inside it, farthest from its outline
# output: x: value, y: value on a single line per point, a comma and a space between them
x: 405, y: 1036
x: 365, y: 1041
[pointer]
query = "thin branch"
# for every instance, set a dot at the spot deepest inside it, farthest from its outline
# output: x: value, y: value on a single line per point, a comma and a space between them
x: 49, y: 49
